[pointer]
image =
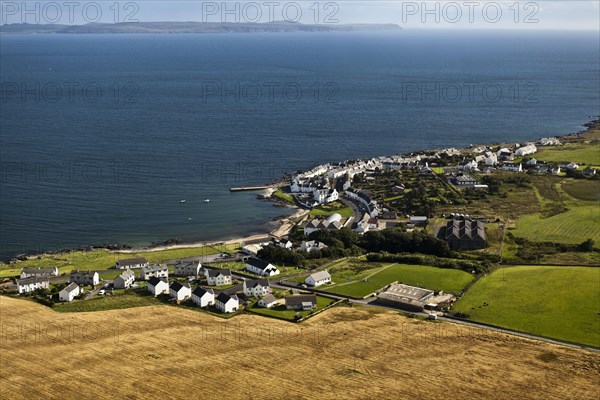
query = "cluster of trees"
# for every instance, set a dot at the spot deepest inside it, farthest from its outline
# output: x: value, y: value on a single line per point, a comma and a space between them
x: 347, y: 243
x: 534, y: 251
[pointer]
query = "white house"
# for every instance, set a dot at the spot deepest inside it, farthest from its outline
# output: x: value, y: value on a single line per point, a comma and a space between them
x: 158, y: 271
x: 85, y: 278
x: 318, y: 278
x: 269, y: 301
x: 284, y: 243
x: 187, y: 269
x: 28, y: 272
x: 312, y: 245
x: 203, y: 297
x: 179, y: 291
x: 260, y: 267
x: 325, y: 195
x: 525, y: 150
x: 69, y: 292
x: 218, y: 277
x: 124, y: 280
x: 32, y: 283
x: 158, y: 286
x: 256, y: 287
x: 227, y: 303
x: 137, y: 262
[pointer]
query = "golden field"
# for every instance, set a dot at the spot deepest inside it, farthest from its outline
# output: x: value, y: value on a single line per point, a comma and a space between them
x: 345, y: 353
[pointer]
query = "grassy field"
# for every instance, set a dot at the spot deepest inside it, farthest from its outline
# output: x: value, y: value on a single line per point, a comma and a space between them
x: 557, y: 302
x: 101, y: 259
x: 332, y: 208
x: 280, y: 194
x: 282, y: 313
x: 360, y: 282
x: 353, y: 353
x: 125, y: 299
x: 576, y: 225
x: 580, y: 153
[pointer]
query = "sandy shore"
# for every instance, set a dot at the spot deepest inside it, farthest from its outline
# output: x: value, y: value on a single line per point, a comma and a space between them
x: 284, y: 228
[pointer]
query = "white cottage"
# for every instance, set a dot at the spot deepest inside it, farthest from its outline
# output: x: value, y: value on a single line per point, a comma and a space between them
x: 158, y: 286
x: 136, y: 262
x: 227, y: 303
x: 203, y: 297
x: 260, y: 267
x: 318, y: 279
x: 69, y: 292
x: 269, y: 301
x: 32, y: 283
x: 28, y: 272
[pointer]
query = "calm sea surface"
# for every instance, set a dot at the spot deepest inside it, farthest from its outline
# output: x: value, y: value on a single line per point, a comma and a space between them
x: 101, y: 136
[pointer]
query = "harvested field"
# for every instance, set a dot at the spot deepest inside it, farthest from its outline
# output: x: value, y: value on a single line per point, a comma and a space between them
x: 345, y: 353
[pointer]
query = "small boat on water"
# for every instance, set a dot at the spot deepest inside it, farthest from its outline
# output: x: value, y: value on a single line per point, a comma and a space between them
x: 182, y: 201
x: 207, y: 200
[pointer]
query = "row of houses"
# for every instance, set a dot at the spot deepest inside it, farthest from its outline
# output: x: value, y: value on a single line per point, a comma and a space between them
x: 226, y: 302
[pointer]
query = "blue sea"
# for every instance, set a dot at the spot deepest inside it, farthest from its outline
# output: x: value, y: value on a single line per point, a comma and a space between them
x: 102, y: 136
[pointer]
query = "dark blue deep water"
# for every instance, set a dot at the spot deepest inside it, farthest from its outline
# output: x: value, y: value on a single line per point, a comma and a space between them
x: 102, y: 135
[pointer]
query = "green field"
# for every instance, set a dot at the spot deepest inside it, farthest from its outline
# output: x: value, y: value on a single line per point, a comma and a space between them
x: 127, y: 299
x: 360, y: 283
x: 576, y: 225
x: 282, y: 313
x: 557, y: 302
x: 101, y: 259
x: 580, y: 153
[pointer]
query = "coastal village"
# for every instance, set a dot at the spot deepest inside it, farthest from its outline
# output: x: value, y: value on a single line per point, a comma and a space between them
x: 357, y: 223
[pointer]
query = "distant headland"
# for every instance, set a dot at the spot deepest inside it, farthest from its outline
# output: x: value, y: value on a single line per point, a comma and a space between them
x: 191, y: 27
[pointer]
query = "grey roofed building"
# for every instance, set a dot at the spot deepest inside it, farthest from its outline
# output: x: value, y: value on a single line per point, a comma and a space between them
x: 258, y: 263
x: 320, y: 275
x: 216, y: 272
x: 301, y: 302
x: 405, y: 297
x: 177, y: 286
x: 155, y: 281
x: 251, y: 283
x: 465, y: 234
x: 32, y: 279
x: 71, y: 287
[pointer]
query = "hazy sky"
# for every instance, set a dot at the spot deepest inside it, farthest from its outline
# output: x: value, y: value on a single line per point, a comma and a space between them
x: 419, y: 14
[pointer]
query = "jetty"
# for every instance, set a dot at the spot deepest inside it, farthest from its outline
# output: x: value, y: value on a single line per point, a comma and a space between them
x: 249, y: 188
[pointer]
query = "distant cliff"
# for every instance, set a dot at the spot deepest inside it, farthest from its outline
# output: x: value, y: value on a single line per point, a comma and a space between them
x: 192, y: 27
